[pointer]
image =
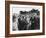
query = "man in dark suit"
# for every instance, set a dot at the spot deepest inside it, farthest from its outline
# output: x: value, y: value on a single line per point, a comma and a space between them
x: 22, y: 23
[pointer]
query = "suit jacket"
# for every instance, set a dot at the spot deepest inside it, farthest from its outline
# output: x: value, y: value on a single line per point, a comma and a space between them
x: 22, y: 24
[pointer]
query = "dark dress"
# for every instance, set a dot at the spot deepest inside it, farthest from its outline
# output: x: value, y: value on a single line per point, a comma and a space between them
x: 37, y: 22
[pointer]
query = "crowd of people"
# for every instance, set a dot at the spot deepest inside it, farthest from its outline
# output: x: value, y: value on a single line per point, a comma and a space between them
x: 26, y: 22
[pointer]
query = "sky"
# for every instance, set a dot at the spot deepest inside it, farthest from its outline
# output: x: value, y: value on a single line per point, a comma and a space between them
x: 18, y: 8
